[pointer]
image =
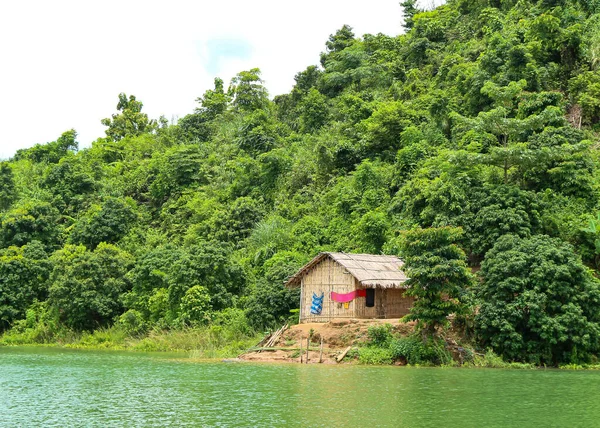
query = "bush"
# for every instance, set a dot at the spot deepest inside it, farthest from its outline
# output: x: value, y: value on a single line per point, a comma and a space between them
x: 103, y: 338
x: 375, y: 356
x: 195, y: 305
x: 416, y: 351
x: 492, y: 360
x: 380, y: 335
x: 132, y: 323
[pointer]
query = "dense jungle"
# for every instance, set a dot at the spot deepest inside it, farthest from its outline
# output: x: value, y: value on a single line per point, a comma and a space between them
x: 467, y: 145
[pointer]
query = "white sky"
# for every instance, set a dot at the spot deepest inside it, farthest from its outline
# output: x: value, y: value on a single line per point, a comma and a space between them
x: 63, y: 63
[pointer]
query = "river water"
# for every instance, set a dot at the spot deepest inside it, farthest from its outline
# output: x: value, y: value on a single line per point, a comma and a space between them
x: 57, y: 387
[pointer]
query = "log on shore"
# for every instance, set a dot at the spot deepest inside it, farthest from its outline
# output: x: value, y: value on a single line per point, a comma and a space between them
x: 343, y: 354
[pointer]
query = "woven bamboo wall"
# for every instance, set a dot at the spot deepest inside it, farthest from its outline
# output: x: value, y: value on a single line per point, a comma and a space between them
x: 328, y: 276
x: 397, y: 304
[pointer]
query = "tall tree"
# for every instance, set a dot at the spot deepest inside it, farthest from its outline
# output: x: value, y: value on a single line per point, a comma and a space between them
x: 409, y: 10
x: 8, y: 191
x: 130, y: 122
x: 438, y: 275
x: 538, y: 302
x: 248, y: 91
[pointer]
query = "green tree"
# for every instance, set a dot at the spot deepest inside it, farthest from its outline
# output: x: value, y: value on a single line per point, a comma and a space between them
x: 270, y: 302
x: 248, y: 91
x: 130, y: 122
x: 343, y: 38
x: 108, y: 223
x: 86, y: 286
x: 8, y: 192
x: 539, y: 303
x: 258, y: 133
x: 409, y: 10
x: 29, y: 221
x: 24, y: 273
x: 163, y: 276
x: 51, y: 152
x: 438, y: 275
x: 195, y: 305
x: 71, y: 182
x: 239, y: 220
x: 200, y: 124
x: 371, y: 231
x: 313, y: 111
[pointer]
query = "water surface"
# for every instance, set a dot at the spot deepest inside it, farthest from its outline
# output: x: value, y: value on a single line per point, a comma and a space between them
x: 54, y: 387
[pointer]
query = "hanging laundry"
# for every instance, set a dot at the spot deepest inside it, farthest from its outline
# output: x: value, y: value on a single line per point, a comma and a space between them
x: 317, y: 304
x: 370, y: 298
x: 347, y: 297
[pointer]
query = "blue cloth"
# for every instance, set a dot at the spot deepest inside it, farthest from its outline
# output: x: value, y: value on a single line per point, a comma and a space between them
x: 317, y: 304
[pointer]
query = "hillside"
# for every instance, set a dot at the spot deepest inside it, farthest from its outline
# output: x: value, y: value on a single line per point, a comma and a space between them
x: 483, y: 116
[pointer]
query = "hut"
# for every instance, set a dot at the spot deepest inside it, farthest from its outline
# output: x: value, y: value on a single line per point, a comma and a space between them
x: 342, y: 285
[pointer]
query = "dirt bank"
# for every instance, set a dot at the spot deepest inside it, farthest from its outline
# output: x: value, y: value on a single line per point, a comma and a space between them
x: 337, y: 336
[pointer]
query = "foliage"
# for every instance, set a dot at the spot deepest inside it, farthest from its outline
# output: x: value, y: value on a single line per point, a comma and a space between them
x: 107, y: 223
x: 437, y: 274
x: 130, y: 122
x: 85, y: 286
x: 7, y: 186
x: 491, y: 360
x: 385, y: 347
x: 380, y: 335
x: 481, y: 116
x: 24, y: 273
x: 415, y: 350
x: 375, y: 356
x: 51, y: 152
x: 538, y: 302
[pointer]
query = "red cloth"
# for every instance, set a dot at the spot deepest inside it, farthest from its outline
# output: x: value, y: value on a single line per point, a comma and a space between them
x: 347, y: 297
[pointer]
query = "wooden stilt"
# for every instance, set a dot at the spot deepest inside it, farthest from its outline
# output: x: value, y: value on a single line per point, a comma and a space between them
x: 301, y: 340
x: 321, y: 351
x: 307, y: 348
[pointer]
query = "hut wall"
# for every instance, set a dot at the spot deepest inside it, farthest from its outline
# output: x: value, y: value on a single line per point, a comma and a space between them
x: 389, y: 303
x: 328, y: 276
x: 362, y: 311
x: 325, y: 277
x: 396, y: 303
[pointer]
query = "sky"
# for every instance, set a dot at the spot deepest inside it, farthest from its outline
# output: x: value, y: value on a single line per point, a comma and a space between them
x: 64, y: 62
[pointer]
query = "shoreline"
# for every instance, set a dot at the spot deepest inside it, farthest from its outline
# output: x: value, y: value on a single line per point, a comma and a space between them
x: 190, y: 358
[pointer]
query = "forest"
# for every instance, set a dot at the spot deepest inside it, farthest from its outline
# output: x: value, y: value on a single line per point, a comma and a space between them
x: 471, y: 139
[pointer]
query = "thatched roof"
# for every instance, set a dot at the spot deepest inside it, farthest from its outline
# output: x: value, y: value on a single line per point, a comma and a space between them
x: 370, y: 270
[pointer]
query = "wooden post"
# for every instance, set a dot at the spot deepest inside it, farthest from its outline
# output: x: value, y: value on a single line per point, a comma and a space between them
x: 307, y: 348
x: 321, y: 351
x: 301, y: 340
x: 301, y: 300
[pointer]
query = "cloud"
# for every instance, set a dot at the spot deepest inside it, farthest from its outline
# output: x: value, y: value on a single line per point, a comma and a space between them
x: 218, y: 51
x: 64, y: 62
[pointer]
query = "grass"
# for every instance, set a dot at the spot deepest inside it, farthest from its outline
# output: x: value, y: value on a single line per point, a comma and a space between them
x: 202, y: 342
x: 491, y: 360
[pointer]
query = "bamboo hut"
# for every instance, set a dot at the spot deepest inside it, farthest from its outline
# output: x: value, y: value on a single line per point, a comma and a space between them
x: 341, y: 285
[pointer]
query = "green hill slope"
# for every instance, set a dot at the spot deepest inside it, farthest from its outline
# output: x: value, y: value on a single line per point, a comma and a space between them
x: 483, y: 116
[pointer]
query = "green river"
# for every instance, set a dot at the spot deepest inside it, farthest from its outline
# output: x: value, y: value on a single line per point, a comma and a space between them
x: 57, y: 387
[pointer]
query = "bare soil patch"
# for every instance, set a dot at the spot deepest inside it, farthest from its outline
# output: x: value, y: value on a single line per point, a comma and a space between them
x: 337, y: 335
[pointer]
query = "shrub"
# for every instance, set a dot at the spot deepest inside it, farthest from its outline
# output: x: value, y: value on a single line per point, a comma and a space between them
x: 375, y: 356
x: 416, y: 351
x: 492, y: 360
x: 132, y: 323
x: 380, y: 335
